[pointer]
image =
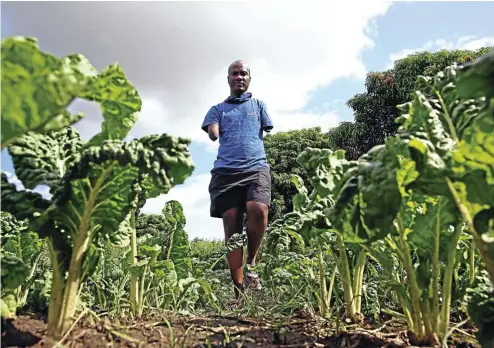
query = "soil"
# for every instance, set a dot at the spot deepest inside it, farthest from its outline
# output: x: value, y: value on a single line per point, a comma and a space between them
x: 214, y: 331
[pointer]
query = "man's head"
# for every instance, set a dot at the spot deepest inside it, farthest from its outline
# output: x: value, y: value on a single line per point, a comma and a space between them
x: 238, y: 78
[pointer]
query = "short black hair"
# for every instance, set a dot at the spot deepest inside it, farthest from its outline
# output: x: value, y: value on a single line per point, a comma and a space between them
x: 235, y: 63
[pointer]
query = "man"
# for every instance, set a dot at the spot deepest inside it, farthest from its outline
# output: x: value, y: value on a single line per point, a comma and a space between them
x: 241, y: 179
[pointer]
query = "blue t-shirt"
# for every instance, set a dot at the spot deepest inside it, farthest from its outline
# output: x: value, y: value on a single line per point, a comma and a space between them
x: 241, y: 122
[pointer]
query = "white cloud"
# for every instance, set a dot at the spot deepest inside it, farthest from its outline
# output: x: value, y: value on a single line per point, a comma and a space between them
x: 287, y: 121
x: 177, y: 55
x: 194, y: 197
x: 463, y: 43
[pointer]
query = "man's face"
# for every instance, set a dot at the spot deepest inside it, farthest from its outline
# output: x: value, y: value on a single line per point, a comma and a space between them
x: 239, y: 79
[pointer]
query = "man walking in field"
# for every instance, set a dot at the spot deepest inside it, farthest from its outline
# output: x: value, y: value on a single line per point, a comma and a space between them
x: 241, y: 179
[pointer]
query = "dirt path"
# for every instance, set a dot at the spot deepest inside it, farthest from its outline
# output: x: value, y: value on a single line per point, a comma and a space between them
x: 29, y: 331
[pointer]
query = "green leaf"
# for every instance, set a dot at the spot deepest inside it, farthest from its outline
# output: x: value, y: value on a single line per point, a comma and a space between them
x: 99, y: 191
x: 451, y: 140
x: 21, y: 204
x: 18, y: 240
x: 8, y: 305
x: 299, y: 184
x: 165, y: 270
x: 475, y: 79
x: 300, y: 199
x: 325, y: 169
x: 11, y: 227
x: 370, y: 198
x: 480, y: 299
x: 119, y: 100
x: 439, y: 213
x: 14, y: 271
x: 473, y: 158
x: 38, y: 87
x: 178, y: 249
x: 43, y: 159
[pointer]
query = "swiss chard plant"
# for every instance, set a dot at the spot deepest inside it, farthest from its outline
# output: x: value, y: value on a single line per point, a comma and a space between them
x: 95, y: 183
x: 161, y: 248
x: 23, y: 249
x: 427, y: 185
x: 307, y: 224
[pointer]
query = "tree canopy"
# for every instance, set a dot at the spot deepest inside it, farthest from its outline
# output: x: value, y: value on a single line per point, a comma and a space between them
x: 375, y: 110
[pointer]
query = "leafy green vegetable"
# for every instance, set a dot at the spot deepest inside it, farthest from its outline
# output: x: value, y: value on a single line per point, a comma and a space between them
x: 37, y: 88
x: 18, y: 249
x: 480, y: 298
x: 95, y: 185
x: 119, y: 101
x: 177, y: 245
x: 451, y: 141
x: 43, y: 159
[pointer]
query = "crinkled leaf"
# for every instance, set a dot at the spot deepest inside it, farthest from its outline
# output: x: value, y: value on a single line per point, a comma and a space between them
x: 165, y: 270
x: 13, y: 271
x: 11, y: 228
x: 125, y: 231
x: 119, y: 102
x: 280, y: 240
x: 99, y: 191
x: 43, y: 159
x: 325, y: 168
x: 177, y: 246
x: 168, y: 164
x: 480, y: 299
x: 8, y: 305
x: 25, y: 244
x: 37, y: 88
x: 21, y: 204
x: 474, y: 158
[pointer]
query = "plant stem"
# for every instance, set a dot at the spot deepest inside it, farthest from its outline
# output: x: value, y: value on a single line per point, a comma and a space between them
x: 30, y: 280
x: 448, y: 280
x: 344, y: 270
x: 447, y: 117
x: 322, y: 284
x: 436, y: 273
x: 134, y: 281
x: 358, y: 279
x: 56, y: 294
x: 79, y: 250
x: 331, y: 285
x: 416, y: 312
x: 472, y: 262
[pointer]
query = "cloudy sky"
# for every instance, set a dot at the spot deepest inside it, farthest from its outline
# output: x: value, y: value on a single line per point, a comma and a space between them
x: 307, y: 59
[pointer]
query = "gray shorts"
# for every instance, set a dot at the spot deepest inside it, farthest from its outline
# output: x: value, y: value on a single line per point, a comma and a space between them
x: 229, y: 189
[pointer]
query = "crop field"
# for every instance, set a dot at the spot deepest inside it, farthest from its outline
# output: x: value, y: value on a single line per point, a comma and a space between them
x: 391, y: 246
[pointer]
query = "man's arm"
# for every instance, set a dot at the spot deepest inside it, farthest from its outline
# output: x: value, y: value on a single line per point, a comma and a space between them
x: 213, y: 131
x: 267, y: 124
x: 211, y: 124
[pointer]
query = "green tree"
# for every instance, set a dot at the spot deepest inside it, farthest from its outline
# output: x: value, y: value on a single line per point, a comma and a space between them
x: 375, y: 110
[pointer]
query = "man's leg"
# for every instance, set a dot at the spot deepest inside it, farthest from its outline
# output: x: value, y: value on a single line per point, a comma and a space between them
x: 257, y: 217
x: 233, y: 223
x: 258, y: 201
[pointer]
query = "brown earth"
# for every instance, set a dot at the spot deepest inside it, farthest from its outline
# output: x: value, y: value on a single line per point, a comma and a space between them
x: 213, y: 331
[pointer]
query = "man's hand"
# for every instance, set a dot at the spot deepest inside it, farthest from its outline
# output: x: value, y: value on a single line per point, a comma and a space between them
x: 213, y: 131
